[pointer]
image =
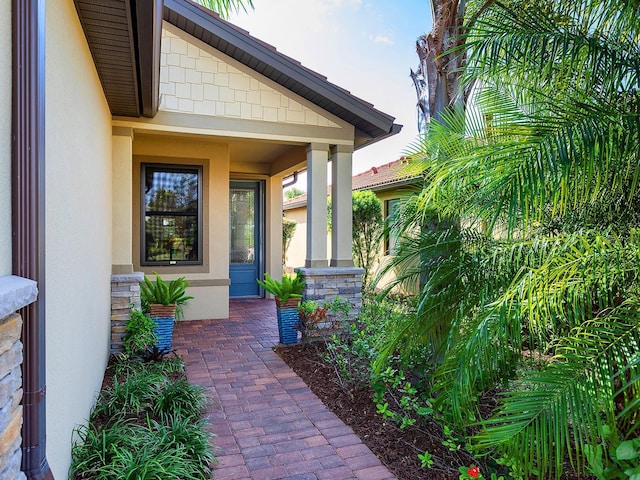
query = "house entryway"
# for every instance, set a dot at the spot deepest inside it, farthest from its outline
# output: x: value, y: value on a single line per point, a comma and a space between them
x: 246, y: 220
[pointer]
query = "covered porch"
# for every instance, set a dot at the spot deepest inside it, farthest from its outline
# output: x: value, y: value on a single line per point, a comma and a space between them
x: 232, y: 120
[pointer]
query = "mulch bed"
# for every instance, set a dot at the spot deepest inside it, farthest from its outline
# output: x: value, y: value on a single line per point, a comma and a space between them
x: 397, y: 449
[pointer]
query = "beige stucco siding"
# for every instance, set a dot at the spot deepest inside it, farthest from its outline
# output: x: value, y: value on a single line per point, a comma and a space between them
x: 210, y: 279
x: 195, y: 78
x: 78, y: 231
x: 382, y: 256
x: 122, y: 147
x: 297, y: 248
x: 273, y: 253
x: 5, y: 139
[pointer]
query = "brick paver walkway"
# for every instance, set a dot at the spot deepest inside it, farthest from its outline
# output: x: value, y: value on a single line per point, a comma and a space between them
x: 269, y: 425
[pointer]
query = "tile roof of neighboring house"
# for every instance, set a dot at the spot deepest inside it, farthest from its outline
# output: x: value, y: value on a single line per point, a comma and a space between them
x: 124, y: 38
x: 382, y: 177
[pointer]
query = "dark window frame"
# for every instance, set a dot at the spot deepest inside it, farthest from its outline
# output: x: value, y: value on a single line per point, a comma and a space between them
x: 170, y: 168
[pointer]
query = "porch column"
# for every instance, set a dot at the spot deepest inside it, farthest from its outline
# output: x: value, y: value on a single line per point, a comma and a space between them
x: 273, y: 260
x: 317, y: 158
x: 122, y: 188
x: 342, y: 211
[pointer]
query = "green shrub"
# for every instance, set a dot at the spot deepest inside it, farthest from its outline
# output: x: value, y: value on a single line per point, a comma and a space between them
x: 133, y: 395
x: 146, y: 426
x: 353, y: 355
x: 140, y: 334
x: 180, y: 399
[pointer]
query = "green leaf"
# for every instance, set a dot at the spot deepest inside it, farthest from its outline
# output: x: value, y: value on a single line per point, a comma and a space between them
x: 627, y: 451
x: 633, y: 473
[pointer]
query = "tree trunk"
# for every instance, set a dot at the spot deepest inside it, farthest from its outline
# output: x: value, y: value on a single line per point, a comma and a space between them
x: 437, y: 80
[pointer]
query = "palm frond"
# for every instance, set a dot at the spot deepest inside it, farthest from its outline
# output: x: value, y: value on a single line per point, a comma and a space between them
x: 560, y: 409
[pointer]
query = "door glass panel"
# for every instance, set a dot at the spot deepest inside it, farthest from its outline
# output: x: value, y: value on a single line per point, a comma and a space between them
x: 242, y: 228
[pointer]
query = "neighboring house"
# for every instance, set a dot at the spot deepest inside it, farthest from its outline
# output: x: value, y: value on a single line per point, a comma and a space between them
x: 143, y: 136
x: 388, y: 182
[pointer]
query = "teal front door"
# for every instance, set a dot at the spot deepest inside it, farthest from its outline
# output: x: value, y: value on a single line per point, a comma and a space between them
x: 245, y: 231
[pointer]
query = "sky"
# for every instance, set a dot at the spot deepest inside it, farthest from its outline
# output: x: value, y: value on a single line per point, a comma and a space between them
x: 364, y: 46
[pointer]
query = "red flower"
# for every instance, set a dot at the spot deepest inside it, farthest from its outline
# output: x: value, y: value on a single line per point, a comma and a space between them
x: 473, y: 472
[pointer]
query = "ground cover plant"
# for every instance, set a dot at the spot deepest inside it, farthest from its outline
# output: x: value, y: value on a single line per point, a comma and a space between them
x: 146, y: 424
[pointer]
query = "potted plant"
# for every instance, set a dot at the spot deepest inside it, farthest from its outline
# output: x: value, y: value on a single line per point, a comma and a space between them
x: 288, y: 293
x: 164, y: 301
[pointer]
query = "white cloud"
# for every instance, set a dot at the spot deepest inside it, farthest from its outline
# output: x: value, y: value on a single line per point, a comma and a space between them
x: 383, y: 39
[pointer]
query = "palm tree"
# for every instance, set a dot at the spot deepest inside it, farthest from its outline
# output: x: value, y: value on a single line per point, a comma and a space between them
x: 543, y: 171
x: 437, y: 78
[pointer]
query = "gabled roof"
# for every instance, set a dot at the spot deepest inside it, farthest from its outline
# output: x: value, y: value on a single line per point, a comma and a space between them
x: 207, y: 26
x: 383, y: 177
x: 124, y: 37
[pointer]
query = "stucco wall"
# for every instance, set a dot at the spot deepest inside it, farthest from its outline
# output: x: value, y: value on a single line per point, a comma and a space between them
x: 5, y: 139
x: 209, y: 290
x: 298, y: 247
x: 78, y: 229
x: 273, y: 253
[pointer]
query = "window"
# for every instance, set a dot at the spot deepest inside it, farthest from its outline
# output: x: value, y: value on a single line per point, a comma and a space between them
x: 171, y: 230
x: 391, y: 236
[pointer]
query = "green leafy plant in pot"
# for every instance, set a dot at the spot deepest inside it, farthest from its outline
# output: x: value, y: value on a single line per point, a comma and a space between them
x: 165, y: 300
x: 288, y: 293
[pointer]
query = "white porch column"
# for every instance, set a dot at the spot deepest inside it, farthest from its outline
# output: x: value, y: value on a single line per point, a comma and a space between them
x: 317, y: 159
x: 122, y: 189
x: 342, y: 209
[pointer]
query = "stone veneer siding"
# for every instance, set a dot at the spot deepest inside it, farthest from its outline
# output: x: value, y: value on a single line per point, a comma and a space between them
x: 325, y: 284
x: 15, y: 293
x: 125, y: 295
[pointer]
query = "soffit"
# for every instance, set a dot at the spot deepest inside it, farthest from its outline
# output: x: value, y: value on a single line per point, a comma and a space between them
x: 240, y: 150
x: 124, y: 40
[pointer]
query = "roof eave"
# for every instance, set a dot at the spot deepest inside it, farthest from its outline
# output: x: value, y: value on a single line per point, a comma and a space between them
x: 149, y: 39
x: 131, y: 84
x: 379, y: 187
x: 362, y: 140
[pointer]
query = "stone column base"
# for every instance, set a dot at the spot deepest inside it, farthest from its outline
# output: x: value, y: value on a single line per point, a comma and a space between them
x: 324, y: 285
x: 125, y: 296
x: 15, y: 293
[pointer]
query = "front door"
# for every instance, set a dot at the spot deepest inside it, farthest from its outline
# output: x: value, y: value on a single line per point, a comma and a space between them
x: 246, y: 253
